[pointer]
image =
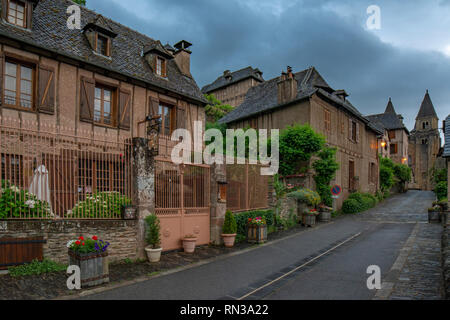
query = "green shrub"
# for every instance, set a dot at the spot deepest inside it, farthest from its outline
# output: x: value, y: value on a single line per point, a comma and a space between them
x: 307, y: 196
x: 100, y: 205
x: 15, y: 202
x: 325, y: 170
x: 380, y: 196
x: 386, y: 177
x: 351, y: 206
x: 153, y: 228
x: 229, y: 225
x: 441, y: 190
x: 36, y: 267
x: 242, y: 219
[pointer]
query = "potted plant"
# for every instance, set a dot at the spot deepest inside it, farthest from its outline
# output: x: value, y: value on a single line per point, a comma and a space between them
x: 91, y: 256
x: 153, y: 239
x: 256, y: 230
x: 189, y: 243
x: 324, y: 213
x: 434, y: 214
x: 229, y: 229
x: 309, y: 217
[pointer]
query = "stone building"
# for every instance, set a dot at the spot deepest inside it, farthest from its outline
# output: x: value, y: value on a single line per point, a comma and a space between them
x: 306, y: 98
x: 78, y: 98
x: 446, y: 151
x: 395, y: 143
x: 424, y: 145
x: 231, y: 87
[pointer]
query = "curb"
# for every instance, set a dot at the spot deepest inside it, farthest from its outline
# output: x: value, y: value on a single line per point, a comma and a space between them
x: 183, y: 268
x: 387, y: 286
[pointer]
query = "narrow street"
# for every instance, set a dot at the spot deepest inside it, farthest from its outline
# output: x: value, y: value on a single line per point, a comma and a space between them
x: 326, y: 262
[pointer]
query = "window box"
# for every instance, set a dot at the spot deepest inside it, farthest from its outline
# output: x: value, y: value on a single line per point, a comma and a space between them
x: 93, y: 267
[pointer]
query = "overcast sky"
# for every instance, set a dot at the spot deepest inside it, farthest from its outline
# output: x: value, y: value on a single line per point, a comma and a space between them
x: 409, y: 54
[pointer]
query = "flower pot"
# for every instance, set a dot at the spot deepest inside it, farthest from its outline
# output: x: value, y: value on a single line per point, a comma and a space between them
x: 309, y: 220
x: 153, y: 255
x: 128, y: 212
x: 228, y: 239
x: 189, y: 244
x: 94, y: 267
x: 433, y: 216
x: 325, y: 216
x: 256, y: 233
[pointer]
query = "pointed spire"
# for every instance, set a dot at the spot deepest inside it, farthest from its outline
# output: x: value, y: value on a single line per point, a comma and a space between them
x: 427, y: 108
x: 390, y: 107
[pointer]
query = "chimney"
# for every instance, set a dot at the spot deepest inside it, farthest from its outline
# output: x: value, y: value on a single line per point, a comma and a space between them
x: 227, y: 75
x: 341, y: 94
x: 287, y: 87
x: 183, y: 57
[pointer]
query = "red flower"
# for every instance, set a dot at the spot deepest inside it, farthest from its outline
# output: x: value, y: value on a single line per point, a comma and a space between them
x: 83, y: 243
x: 81, y: 238
x: 77, y: 243
x: 95, y: 238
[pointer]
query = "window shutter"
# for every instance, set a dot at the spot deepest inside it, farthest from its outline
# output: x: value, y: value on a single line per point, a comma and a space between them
x: 29, y: 10
x: 154, y: 106
x: 357, y: 132
x: 87, y: 92
x: 46, y: 90
x: 4, y: 9
x: 180, y: 118
x: 124, y: 109
x: 1, y: 79
x: 350, y: 134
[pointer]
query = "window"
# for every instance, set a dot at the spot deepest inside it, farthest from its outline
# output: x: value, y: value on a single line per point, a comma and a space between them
x: 391, y: 135
x: 372, y: 173
x: 327, y: 117
x: 160, y: 66
x: 354, y: 133
x: 17, y: 13
x: 393, y: 149
x: 18, y: 82
x: 166, y: 121
x: 103, y: 46
x: 104, y: 105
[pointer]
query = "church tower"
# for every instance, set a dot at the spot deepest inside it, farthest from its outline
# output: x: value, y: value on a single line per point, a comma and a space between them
x: 424, y: 144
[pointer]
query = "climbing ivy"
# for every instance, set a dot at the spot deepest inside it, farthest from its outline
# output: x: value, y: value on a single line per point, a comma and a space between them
x: 325, y: 171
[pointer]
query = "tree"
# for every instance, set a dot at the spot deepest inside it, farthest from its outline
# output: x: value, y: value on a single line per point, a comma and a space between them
x: 216, y: 109
x: 80, y: 2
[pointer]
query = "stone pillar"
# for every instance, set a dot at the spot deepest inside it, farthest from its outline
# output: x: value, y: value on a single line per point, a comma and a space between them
x: 143, y: 186
x: 218, y: 206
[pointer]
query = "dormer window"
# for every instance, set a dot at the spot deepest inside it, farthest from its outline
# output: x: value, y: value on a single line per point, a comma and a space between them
x: 160, y: 66
x: 17, y: 13
x: 103, y: 45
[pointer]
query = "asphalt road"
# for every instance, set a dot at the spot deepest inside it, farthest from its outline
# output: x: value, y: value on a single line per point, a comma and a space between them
x: 328, y: 262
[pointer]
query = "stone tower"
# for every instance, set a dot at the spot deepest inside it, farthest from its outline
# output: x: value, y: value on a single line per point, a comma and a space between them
x: 424, y: 144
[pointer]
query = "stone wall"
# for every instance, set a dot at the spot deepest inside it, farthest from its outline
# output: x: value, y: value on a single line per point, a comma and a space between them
x: 121, y: 234
x: 445, y: 247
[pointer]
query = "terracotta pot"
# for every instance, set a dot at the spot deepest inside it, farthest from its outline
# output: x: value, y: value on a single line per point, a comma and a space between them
x: 153, y: 255
x: 228, y: 239
x: 189, y: 244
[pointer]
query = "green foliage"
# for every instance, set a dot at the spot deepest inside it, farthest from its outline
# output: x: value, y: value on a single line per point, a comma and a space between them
x: 297, y: 144
x: 358, y: 202
x: 439, y: 175
x: 325, y: 169
x: 216, y: 109
x: 153, y: 228
x: 15, y: 202
x: 229, y: 225
x: 80, y: 2
x: 286, y: 223
x: 279, y: 187
x: 386, y: 174
x: 36, y: 267
x: 351, y: 206
x: 402, y: 172
x: 242, y: 219
x: 100, y: 205
x: 310, y: 197
x: 88, y: 245
x: 441, y: 190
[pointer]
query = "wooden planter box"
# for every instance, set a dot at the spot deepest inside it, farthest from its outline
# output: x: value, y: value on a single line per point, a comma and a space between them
x: 93, y: 267
x: 434, y: 216
x: 256, y: 234
x: 309, y: 220
x: 325, y: 216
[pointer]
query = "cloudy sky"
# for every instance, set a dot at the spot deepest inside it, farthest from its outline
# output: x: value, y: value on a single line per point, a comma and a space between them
x: 409, y: 54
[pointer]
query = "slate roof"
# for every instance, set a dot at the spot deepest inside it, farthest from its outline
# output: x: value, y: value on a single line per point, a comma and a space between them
x: 446, y: 153
x: 426, y: 108
x: 50, y: 33
x: 388, y: 120
x: 264, y: 97
x: 236, y: 76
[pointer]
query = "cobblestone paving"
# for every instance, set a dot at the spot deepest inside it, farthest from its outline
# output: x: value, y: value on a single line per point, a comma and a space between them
x: 421, y: 275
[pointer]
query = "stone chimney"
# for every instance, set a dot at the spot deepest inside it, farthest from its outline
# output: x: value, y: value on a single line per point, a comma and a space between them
x: 227, y: 75
x: 341, y: 94
x: 183, y: 57
x: 287, y: 87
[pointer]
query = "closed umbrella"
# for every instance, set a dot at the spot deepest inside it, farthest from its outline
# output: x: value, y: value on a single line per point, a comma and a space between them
x: 39, y: 186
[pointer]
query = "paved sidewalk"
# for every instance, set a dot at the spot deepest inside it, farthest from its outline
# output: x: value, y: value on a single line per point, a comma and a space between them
x: 421, y: 275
